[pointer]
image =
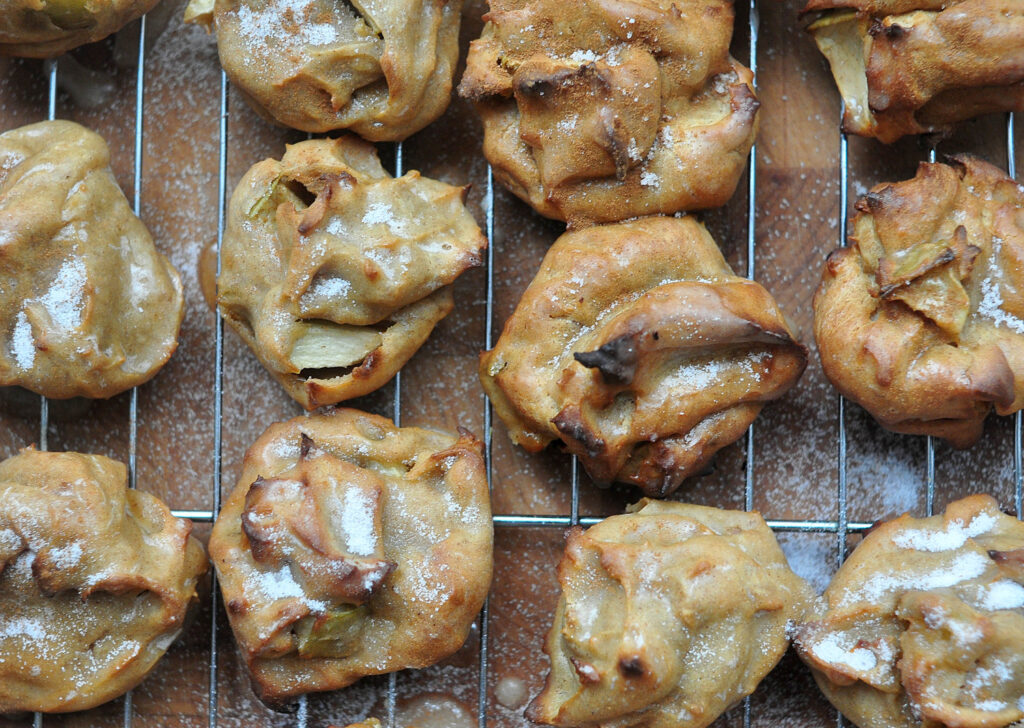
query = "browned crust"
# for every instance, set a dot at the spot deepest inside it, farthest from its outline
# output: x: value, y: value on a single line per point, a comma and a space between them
x: 935, y: 348
x: 638, y: 348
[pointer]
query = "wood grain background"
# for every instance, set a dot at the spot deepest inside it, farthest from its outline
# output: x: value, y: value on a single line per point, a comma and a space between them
x: 796, y: 465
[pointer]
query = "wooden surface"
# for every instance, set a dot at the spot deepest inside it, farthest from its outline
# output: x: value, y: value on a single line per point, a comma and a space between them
x: 795, y: 442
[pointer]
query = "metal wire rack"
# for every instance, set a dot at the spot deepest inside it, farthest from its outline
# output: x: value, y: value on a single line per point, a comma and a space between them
x: 840, y: 526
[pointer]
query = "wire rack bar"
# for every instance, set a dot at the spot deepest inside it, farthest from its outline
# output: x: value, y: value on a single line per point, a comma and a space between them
x: 485, y: 613
x: 51, y: 114
x: 555, y: 521
x: 133, y: 402
x: 753, y: 22
x: 44, y: 404
x: 929, y: 440
x: 140, y: 95
x: 1018, y: 475
x: 531, y: 521
x: 842, y: 523
x: 396, y: 408
x: 218, y: 386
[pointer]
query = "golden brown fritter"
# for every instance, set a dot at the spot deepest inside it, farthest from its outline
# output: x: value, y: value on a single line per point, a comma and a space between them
x: 47, y: 28
x: 916, y: 66
x: 601, y: 110
x: 89, y: 306
x: 95, y: 581
x: 639, y: 348
x: 351, y: 547
x: 382, y: 69
x: 335, y: 273
x: 921, y: 319
x: 668, y: 616
x: 924, y: 623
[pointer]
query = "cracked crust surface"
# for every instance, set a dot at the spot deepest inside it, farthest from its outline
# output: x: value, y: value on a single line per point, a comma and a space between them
x: 48, y: 28
x: 351, y: 547
x: 923, y: 625
x: 602, y: 110
x: 919, y: 66
x: 89, y: 307
x: 638, y: 347
x: 382, y: 69
x: 334, y: 273
x: 921, y: 319
x: 668, y: 615
x: 95, y: 581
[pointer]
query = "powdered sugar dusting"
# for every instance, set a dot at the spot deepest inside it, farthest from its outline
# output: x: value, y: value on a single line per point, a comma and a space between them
x: 357, y: 511
x: 21, y: 627
x: 583, y: 56
x: 327, y: 287
x: 964, y: 632
x: 810, y: 556
x: 280, y: 584
x: 965, y: 566
x: 22, y: 343
x: 65, y: 557
x: 267, y: 25
x: 9, y: 540
x: 991, y: 705
x: 953, y: 536
x: 699, y: 375
x: 1002, y: 594
x: 836, y: 648
x: 991, y: 304
x: 381, y: 213
x: 568, y: 124
x: 981, y: 680
x: 650, y: 179
x: 63, y: 302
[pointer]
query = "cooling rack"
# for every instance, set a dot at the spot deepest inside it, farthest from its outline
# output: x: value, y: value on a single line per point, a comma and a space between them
x: 835, y: 523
